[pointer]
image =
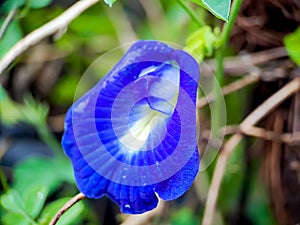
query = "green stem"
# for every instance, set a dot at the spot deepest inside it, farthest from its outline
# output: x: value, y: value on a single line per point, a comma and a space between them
x: 192, y: 14
x: 217, y: 110
x: 220, y: 55
x: 236, y: 5
x: 225, y: 35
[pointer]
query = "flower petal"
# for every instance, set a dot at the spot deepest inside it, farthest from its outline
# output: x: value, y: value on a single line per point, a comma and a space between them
x: 178, y: 184
x: 132, y: 199
x: 135, y: 131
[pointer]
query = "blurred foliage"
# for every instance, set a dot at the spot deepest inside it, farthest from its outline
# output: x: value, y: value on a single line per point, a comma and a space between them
x: 30, y: 112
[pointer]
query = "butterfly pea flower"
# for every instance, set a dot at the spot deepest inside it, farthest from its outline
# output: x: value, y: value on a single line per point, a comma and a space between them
x: 132, y: 137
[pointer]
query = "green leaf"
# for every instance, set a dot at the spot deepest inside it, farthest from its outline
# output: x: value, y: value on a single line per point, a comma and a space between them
x: 12, y: 201
x: 11, y: 36
x: 31, y: 112
x: 10, y: 112
x: 39, y: 3
x: 12, y: 218
x: 69, y: 217
x: 220, y: 8
x: 292, y: 46
x: 34, y: 112
x: 110, y: 2
x: 46, y: 172
x: 11, y: 5
x: 34, y: 200
x: 202, y: 42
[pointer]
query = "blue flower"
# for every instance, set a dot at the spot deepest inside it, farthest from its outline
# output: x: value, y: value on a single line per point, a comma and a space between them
x: 132, y: 137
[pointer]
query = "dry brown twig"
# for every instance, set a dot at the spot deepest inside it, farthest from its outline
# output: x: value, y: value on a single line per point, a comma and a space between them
x: 52, y: 27
x: 245, y: 63
x: 254, y: 117
x: 232, y: 87
x: 258, y: 132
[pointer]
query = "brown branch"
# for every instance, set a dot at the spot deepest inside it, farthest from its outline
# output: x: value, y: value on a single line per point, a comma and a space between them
x: 259, y: 113
x: 232, y: 87
x: 48, y: 29
x: 258, y: 132
x: 245, y: 63
x: 66, y: 207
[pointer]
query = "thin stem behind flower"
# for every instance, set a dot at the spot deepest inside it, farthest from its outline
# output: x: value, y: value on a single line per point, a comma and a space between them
x: 66, y: 207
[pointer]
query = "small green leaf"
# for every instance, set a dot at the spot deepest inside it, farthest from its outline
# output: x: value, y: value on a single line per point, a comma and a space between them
x: 34, y: 200
x: 10, y: 111
x: 220, y: 8
x: 31, y: 112
x: 34, y: 112
x: 110, y: 2
x: 39, y: 3
x: 11, y: 36
x: 69, y: 217
x: 292, y: 46
x: 12, y: 201
x: 202, y: 42
x: 12, y: 218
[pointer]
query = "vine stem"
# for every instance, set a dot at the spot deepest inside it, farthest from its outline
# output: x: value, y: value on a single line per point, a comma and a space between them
x: 47, y: 29
x: 220, y: 55
x: 217, y: 109
x: 66, y: 207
